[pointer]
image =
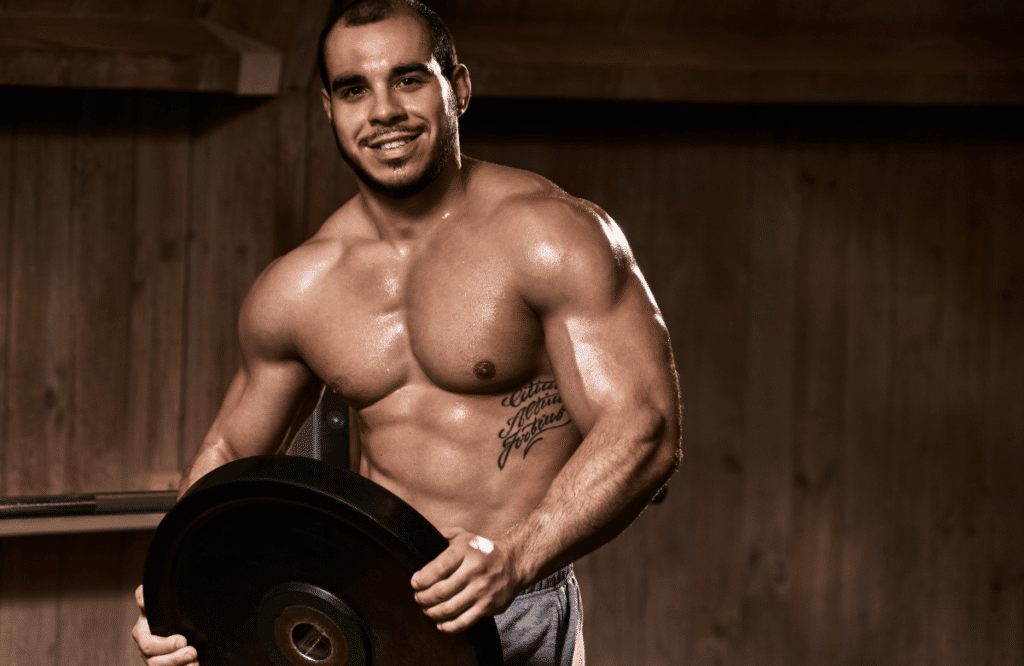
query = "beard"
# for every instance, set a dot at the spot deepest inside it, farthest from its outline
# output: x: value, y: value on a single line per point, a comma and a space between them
x: 442, y: 152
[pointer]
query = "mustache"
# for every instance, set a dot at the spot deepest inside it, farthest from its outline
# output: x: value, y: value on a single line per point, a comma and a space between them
x: 380, y: 134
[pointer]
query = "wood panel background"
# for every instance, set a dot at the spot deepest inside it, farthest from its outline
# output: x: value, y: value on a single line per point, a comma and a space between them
x: 844, y: 287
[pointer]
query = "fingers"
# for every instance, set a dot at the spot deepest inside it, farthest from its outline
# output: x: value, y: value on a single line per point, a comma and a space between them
x: 472, y: 578
x: 460, y: 610
x: 440, y: 568
x: 184, y: 657
x: 160, y: 650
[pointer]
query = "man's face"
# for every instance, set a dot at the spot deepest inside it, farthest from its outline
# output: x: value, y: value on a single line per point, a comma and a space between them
x: 394, y: 115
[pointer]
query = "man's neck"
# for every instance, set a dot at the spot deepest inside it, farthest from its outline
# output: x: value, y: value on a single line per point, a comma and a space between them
x: 411, y: 218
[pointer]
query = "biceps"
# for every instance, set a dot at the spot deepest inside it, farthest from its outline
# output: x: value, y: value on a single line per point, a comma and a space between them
x: 614, y: 360
x: 261, y: 407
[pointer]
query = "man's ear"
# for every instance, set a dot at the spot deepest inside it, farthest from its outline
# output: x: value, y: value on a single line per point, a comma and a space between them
x: 325, y: 97
x: 462, y: 88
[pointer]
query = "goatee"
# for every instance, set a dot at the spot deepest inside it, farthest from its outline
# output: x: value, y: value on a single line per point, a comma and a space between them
x: 445, y: 150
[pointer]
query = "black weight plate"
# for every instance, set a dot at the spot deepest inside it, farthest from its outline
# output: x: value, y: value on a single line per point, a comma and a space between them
x: 258, y: 528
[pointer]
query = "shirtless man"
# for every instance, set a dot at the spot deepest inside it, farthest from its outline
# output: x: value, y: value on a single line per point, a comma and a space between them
x: 510, y: 374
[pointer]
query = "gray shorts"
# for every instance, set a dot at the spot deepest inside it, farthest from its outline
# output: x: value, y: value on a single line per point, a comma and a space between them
x: 544, y: 624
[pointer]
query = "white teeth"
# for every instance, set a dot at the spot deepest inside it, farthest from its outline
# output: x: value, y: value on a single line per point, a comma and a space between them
x: 393, y: 144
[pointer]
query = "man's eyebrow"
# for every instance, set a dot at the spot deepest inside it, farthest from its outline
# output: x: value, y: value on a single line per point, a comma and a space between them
x: 410, y: 68
x: 345, y: 81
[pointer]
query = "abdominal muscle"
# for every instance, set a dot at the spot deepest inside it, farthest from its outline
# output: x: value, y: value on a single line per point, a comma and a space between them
x: 459, y: 459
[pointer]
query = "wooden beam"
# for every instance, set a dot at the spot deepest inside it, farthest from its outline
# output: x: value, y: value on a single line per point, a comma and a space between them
x: 78, y: 524
x: 725, y: 67
x: 134, y: 53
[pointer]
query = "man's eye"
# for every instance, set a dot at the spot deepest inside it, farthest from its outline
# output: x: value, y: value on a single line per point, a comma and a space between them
x: 408, y: 81
x: 350, y: 92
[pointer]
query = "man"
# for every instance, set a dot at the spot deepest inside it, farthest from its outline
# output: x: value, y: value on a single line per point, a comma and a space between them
x: 510, y: 374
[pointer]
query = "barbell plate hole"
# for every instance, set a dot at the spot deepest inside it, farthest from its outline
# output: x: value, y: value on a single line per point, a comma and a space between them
x: 311, y: 642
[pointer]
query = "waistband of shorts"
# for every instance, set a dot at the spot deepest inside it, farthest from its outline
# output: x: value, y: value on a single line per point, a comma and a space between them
x: 551, y: 582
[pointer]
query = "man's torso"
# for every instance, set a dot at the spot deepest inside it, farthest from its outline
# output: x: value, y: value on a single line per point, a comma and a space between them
x: 434, y: 345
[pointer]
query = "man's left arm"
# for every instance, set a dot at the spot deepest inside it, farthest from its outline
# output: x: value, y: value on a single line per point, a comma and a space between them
x: 612, y: 360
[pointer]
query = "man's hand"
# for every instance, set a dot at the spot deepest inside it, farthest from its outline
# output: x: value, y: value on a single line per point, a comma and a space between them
x: 473, y: 578
x: 159, y: 651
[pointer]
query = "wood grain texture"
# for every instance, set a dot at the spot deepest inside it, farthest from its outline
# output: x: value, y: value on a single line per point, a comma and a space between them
x: 123, y: 51
x: 6, y: 219
x: 102, y: 230
x: 28, y: 601
x: 69, y: 599
x: 709, y: 65
x: 96, y: 610
x: 818, y: 468
x: 1003, y: 454
x: 160, y: 225
x: 765, y: 526
x: 40, y: 363
x: 230, y: 242
x: 632, y: 16
x: 866, y: 610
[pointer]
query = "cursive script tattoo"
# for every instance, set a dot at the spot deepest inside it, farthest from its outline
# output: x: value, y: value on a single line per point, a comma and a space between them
x: 538, y: 408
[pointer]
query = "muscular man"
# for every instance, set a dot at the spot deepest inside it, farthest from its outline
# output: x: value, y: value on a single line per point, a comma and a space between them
x: 510, y: 374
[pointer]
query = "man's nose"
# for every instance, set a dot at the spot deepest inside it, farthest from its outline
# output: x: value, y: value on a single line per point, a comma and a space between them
x: 386, y: 110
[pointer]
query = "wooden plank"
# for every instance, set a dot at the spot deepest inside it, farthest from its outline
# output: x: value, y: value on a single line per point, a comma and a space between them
x: 1003, y: 464
x: 7, y: 120
x: 667, y: 17
x: 233, y: 184
x: 708, y: 319
x: 94, y: 611
x: 768, y: 406
x: 918, y: 370
x: 813, y: 606
x: 128, y: 522
x: 868, y: 615
x: 119, y: 51
x: 956, y: 560
x: 161, y: 206
x: 102, y: 228
x: 40, y: 404
x: 28, y: 612
x: 717, y: 66
x: 259, y: 66
x: 292, y: 28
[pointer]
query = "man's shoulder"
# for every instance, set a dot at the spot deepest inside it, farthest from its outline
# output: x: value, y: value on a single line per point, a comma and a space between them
x: 553, y: 237
x: 535, y: 209
x: 279, y: 298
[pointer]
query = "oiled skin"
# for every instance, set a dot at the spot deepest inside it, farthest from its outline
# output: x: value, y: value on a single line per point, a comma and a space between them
x: 487, y: 304
x: 409, y: 325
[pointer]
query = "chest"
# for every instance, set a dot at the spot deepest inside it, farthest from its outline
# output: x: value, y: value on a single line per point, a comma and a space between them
x: 450, y: 315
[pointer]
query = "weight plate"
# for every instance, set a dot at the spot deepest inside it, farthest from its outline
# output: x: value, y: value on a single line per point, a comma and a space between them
x: 282, y: 560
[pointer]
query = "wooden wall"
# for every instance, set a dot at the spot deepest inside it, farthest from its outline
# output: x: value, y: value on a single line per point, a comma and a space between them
x: 844, y: 287
x: 845, y: 290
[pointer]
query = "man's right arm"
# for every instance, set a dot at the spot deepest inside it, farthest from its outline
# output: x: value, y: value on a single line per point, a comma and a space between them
x: 261, y: 414
x: 268, y: 400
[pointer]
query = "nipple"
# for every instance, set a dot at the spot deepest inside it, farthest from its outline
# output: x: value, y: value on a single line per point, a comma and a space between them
x: 484, y: 370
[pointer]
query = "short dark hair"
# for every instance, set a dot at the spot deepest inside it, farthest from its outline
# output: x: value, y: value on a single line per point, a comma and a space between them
x: 365, y: 12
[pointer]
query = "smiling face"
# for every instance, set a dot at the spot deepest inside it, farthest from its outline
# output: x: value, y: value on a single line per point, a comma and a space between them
x: 394, y: 114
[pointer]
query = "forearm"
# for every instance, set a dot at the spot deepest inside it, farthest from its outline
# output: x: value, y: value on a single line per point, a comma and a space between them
x: 609, y: 480
x: 212, y: 455
x: 243, y: 428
